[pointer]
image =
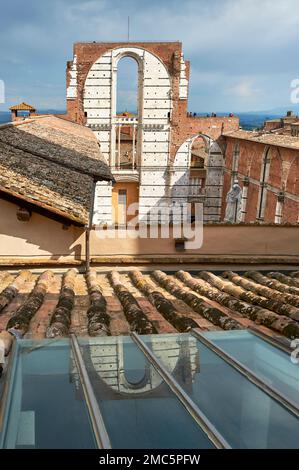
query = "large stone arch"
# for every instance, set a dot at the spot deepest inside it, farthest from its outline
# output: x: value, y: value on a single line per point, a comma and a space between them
x: 154, y: 92
x: 214, y: 165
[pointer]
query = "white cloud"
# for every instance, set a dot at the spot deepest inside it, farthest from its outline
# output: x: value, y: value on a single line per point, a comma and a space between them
x: 243, y: 89
x: 240, y: 50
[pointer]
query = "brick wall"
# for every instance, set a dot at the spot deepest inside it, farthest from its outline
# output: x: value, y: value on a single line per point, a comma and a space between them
x: 170, y: 54
x: 283, y: 178
x: 164, y: 127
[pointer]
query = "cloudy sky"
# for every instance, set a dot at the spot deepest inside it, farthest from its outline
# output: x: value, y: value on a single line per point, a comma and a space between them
x: 244, y: 53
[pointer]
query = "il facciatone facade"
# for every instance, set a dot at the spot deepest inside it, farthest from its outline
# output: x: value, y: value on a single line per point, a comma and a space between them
x: 163, y: 156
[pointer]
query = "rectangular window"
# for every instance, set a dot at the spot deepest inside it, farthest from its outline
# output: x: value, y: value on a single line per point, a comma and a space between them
x: 122, y: 206
x: 122, y: 197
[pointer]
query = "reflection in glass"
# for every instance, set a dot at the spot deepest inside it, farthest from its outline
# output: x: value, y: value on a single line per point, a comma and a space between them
x: 271, y: 364
x: 240, y: 411
x: 139, y: 409
x: 47, y: 409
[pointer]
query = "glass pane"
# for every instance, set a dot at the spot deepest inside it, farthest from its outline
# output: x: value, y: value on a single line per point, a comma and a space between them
x: 122, y: 197
x: 139, y: 409
x: 268, y: 362
x: 47, y: 409
x: 240, y: 411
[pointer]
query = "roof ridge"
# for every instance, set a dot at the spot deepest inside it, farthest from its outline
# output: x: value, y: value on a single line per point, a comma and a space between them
x: 22, y: 106
x: 24, y: 121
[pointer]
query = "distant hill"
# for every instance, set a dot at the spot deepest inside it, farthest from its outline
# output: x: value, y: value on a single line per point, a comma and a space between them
x: 279, y: 111
x: 4, y: 117
x: 248, y: 120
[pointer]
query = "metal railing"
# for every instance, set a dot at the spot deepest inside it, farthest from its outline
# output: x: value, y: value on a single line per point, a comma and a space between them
x: 98, y: 425
x: 273, y: 341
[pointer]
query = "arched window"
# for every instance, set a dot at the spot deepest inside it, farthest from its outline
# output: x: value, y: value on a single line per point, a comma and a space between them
x: 136, y: 372
x: 199, y: 156
x: 127, y: 113
x: 127, y: 86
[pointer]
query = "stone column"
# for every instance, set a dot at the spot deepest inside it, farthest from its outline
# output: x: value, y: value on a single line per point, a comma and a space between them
x: 262, y: 201
x: 279, y: 207
x: 214, y: 183
x: 133, y: 150
x: 118, y: 148
x: 113, y: 111
x: 14, y: 115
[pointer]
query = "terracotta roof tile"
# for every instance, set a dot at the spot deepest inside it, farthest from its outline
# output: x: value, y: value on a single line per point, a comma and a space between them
x: 51, y: 162
x: 279, y: 140
x: 22, y: 107
x: 272, y: 309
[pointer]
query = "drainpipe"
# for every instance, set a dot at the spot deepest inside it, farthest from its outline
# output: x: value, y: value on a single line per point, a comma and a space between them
x: 88, y: 228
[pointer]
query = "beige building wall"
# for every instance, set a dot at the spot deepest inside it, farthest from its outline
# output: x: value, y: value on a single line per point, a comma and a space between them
x: 44, y: 240
x: 39, y: 239
x: 218, y: 240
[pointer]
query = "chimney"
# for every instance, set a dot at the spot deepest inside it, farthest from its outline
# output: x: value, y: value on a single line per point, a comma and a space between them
x: 289, y: 113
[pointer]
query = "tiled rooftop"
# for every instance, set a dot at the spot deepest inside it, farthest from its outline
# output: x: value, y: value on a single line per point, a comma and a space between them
x: 51, y: 162
x: 204, y: 389
x: 281, y: 140
x: 115, y: 303
x: 22, y: 107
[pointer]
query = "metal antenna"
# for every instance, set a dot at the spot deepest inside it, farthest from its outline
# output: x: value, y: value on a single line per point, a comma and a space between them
x: 128, y: 28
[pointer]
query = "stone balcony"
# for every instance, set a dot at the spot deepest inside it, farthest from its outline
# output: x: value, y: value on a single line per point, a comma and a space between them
x: 125, y: 174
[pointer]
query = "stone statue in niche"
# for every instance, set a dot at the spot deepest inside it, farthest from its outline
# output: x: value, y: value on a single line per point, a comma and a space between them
x: 233, y: 204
